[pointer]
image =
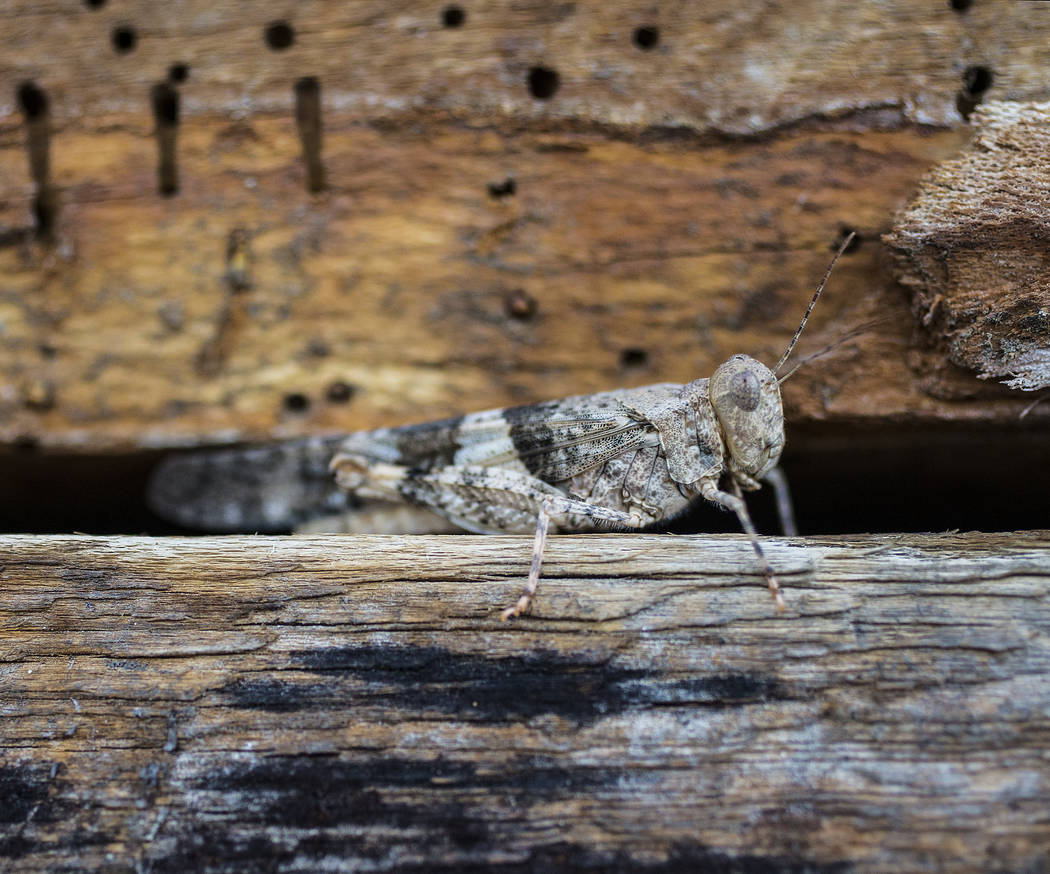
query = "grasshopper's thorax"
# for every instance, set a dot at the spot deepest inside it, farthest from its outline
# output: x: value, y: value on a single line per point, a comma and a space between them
x: 746, y: 399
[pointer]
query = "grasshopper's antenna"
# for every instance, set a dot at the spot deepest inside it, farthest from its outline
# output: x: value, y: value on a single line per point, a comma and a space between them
x: 813, y: 302
x: 831, y: 347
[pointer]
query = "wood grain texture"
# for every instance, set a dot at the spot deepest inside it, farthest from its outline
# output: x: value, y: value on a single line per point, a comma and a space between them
x: 972, y: 248
x: 670, y: 207
x: 338, y: 703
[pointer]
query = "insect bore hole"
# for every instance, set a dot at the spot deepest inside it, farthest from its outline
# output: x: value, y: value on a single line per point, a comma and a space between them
x: 633, y: 358
x: 296, y: 402
x: 308, y: 119
x: 543, y: 82
x: 279, y: 35
x: 453, y: 16
x: 976, y: 80
x: 506, y: 188
x: 339, y: 392
x: 32, y: 101
x: 94, y: 4
x: 960, y: 5
x: 35, y: 107
x: 646, y: 38
x: 520, y: 305
x: 124, y: 39
x: 165, y: 102
x: 178, y: 73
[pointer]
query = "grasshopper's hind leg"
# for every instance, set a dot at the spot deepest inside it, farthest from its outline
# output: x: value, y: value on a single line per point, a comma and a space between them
x: 481, y: 499
x: 563, y: 507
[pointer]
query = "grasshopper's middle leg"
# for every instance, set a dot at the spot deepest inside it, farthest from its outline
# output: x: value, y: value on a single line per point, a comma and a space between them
x: 563, y: 507
x: 483, y: 499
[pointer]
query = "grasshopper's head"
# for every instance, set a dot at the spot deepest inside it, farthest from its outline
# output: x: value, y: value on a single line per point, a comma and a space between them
x: 745, y: 395
x: 746, y: 398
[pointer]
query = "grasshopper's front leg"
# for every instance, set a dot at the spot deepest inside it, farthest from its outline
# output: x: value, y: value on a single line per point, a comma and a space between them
x: 478, y: 498
x: 735, y: 502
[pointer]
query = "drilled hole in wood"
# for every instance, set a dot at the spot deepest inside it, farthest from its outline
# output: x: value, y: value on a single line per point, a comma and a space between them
x: 646, y: 38
x: 279, y: 35
x: 178, y: 73
x: 296, y: 402
x: 976, y: 80
x: 124, y: 39
x: 506, y: 188
x: 164, y: 100
x: 543, y: 82
x: 308, y: 119
x: 960, y: 5
x: 32, y: 101
x: 519, y: 304
x: 453, y: 16
x: 634, y: 358
x: 339, y: 392
x: 35, y: 107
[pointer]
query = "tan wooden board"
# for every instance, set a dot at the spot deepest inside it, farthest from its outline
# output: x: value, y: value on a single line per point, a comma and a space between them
x: 671, y: 207
x: 644, y: 263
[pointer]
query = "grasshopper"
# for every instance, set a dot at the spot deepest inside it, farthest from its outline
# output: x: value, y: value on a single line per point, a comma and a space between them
x: 628, y: 458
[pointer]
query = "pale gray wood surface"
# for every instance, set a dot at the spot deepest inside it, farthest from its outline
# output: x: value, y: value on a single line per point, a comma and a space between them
x: 352, y: 703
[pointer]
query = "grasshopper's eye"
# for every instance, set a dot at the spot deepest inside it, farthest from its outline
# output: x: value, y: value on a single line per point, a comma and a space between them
x: 744, y: 390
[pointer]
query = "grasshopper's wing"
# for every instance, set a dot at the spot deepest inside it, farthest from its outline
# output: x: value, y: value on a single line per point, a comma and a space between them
x: 552, y: 441
x: 276, y: 487
x: 279, y: 486
x: 264, y: 488
x: 555, y: 441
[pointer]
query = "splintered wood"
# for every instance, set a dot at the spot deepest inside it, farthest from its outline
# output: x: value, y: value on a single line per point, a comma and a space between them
x: 335, y: 703
x: 972, y: 248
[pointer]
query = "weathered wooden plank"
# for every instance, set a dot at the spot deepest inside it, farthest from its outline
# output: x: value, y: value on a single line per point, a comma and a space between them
x: 641, y: 240
x: 719, y: 66
x: 147, y: 345
x: 293, y: 704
